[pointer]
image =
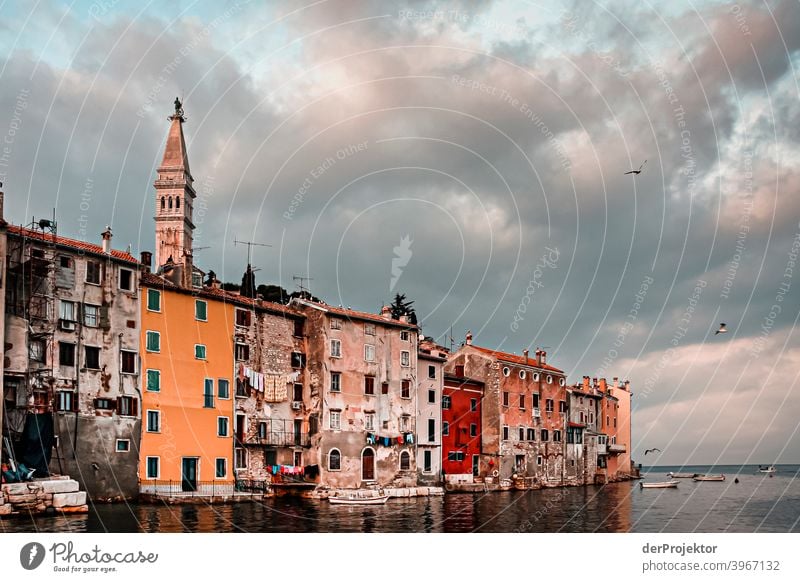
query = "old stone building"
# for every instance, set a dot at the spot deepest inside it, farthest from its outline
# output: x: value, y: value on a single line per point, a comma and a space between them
x: 71, y: 374
x: 430, y: 383
x: 362, y: 372
x: 582, y: 436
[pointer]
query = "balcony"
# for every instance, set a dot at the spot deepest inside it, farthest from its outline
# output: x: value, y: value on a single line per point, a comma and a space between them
x: 617, y: 449
x: 280, y: 439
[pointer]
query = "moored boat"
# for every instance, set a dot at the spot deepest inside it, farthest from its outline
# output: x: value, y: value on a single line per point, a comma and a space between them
x: 659, y: 485
x: 710, y: 478
x: 672, y: 475
x: 766, y: 469
x: 358, y: 500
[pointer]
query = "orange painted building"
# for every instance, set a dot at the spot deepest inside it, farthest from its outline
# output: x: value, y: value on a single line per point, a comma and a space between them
x: 187, y: 399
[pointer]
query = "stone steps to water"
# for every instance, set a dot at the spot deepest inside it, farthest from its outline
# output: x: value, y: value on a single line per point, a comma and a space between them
x: 58, y: 493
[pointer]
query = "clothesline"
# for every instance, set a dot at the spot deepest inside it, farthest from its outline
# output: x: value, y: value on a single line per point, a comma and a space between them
x: 405, y: 438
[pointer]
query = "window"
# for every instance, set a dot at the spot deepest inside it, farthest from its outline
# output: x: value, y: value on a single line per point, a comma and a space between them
x: 123, y: 445
x: 153, y: 421
x: 535, y: 400
x: 473, y: 404
x: 522, y: 374
x: 556, y: 436
x: 336, y: 348
x: 405, y: 422
x: 66, y: 401
x: 242, y: 352
x: 128, y: 362
x: 539, y: 460
x: 369, y: 329
x: 445, y: 428
x: 336, y: 382
x: 126, y: 406
x: 506, y: 371
x: 336, y: 419
x: 242, y: 317
x: 445, y: 402
x: 427, y: 460
x: 240, y: 458
x: 262, y: 433
x: 369, y: 421
x: 208, y: 393
x: 405, y: 389
x: 535, y: 376
x: 104, y: 404
x: 126, y: 279
x: 153, y: 300
x: 369, y: 385
x: 431, y: 430
x: 369, y: 353
x: 561, y: 381
x: 91, y: 358
x: 505, y: 433
x: 549, y: 379
x: 222, y: 426
x: 431, y: 371
x: 65, y: 262
x: 334, y: 460
x: 36, y: 350
x: 90, y: 315
x: 548, y: 405
x: 581, y: 416
x: 153, y: 381
x: 200, y: 310
x: 473, y: 430
x: 404, y: 337
x: 544, y: 435
x: 200, y: 351
x: 221, y: 468
x: 522, y: 402
x: 336, y: 323
x: 505, y: 398
x: 152, y: 467
x: 153, y: 341
x: 298, y: 327
x: 93, y: 270
x: 66, y: 310
x: 223, y: 388
x: 521, y: 432
x: 405, y: 358
x: 531, y: 434
x: 562, y: 405
x: 615, y: 423
x: 405, y: 461
x: 455, y: 455
x: 298, y: 360
x: 431, y: 396
x: 66, y: 354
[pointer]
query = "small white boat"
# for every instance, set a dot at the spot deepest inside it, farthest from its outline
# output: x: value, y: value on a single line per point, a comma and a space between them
x: 710, y: 478
x: 766, y: 469
x: 672, y: 475
x: 660, y: 485
x: 356, y: 500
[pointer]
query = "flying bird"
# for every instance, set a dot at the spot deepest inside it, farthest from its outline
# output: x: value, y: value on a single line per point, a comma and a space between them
x: 722, y: 329
x: 637, y: 172
x: 652, y: 451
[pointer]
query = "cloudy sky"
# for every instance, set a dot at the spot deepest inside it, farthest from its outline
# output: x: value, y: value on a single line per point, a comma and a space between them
x: 470, y: 155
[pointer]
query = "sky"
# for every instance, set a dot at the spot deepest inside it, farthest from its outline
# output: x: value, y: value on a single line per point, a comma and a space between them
x: 471, y: 155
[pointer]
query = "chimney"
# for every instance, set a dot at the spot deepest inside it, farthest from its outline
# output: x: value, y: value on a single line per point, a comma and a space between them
x: 586, y: 383
x: 525, y: 353
x: 544, y: 357
x: 147, y: 260
x: 106, y: 234
x: 603, y: 385
x: 626, y: 385
x: 386, y: 312
x: 616, y: 382
x: 538, y: 354
x: 468, y: 339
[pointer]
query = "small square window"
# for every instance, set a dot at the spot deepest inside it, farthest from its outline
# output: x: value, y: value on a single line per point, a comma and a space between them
x: 92, y: 357
x: 66, y: 354
x: 127, y: 406
x: 93, y: 272
x: 336, y: 323
x: 200, y: 351
x: 404, y: 336
x: 298, y: 360
x: 153, y: 341
x: 242, y: 317
x: 242, y: 352
x: 123, y: 445
x: 90, y: 315
x: 369, y: 329
x: 65, y: 262
x: 445, y: 402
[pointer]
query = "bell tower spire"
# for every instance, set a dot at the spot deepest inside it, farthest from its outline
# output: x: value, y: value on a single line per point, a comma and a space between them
x: 174, y: 202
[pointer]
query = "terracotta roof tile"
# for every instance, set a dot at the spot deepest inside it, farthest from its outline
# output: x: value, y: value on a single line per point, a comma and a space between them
x: 71, y: 243
x: 515, y: 359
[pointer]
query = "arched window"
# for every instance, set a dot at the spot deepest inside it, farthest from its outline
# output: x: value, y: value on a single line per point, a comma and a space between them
x: 405, y: 461
x: 170, y: 202
x: 177, y: 203
x: 334, y: 460
x: 163, y: 203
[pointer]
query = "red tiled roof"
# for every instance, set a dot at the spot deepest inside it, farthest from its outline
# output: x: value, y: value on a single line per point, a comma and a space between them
x: 71, y: 243
x: 352, y: 314
x: 515, y: 359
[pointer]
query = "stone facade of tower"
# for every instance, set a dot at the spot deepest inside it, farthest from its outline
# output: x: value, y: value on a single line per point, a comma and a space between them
x: 174, y: 201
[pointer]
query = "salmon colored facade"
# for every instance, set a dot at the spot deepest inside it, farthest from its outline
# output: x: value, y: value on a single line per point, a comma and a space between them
x: 187, y: 390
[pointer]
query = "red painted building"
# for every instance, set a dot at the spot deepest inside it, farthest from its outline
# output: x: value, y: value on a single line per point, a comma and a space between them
x: 461, y: 426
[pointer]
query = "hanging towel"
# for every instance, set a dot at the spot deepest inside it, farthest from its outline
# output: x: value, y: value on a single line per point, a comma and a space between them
x: 410, y: 439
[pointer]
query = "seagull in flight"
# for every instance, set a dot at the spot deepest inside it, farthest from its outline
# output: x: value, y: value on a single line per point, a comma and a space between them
x: 722, y: 329
x: 652, y: 451
x: 637, y: 172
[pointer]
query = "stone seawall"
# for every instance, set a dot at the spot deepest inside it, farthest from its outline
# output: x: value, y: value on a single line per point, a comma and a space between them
x: 60, y: 494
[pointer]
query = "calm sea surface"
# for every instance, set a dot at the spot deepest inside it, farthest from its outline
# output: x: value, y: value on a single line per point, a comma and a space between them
x: 758, y: 503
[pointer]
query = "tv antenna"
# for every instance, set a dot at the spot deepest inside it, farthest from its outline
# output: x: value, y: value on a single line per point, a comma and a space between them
x: 300, y: 281
x: 250, y: 245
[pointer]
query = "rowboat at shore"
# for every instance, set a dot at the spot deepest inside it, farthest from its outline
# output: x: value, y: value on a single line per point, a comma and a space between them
x: 672, y: 475
x: 659, y: 485
x: 710, y: 478
x: 356, y: 500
